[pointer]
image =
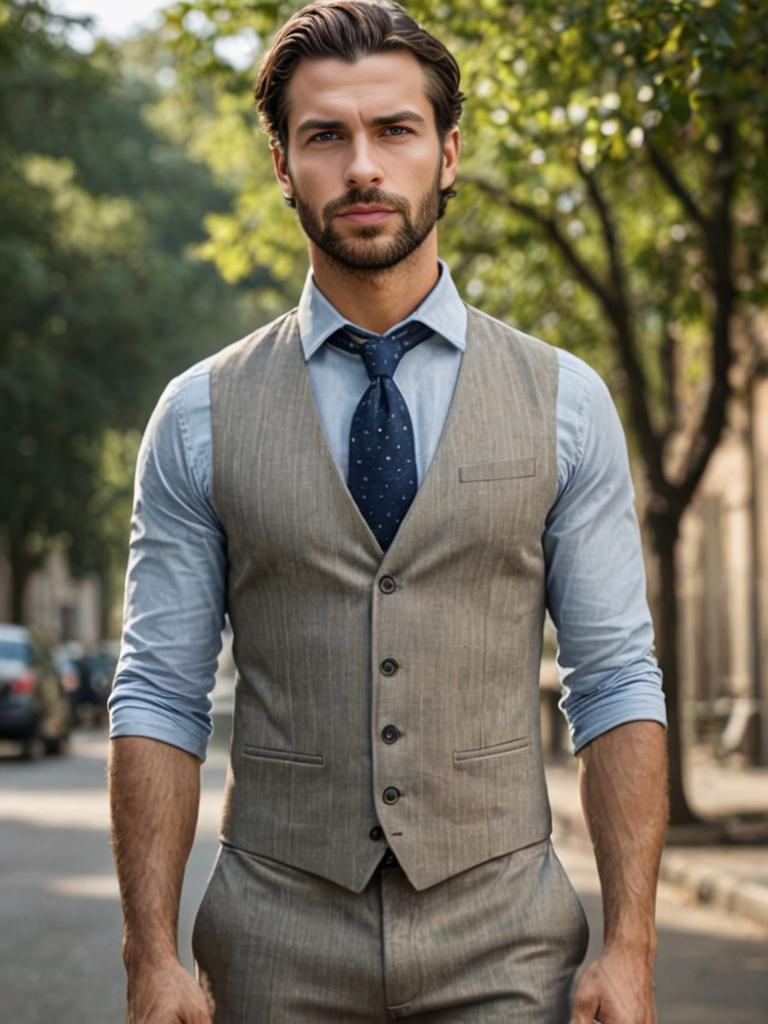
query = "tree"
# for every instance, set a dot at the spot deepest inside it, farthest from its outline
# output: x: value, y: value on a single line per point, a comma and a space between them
x: 100, y: 299
x: 612, y: 200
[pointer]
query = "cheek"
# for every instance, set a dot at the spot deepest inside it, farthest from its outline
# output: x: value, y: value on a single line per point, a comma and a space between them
x: 414, y: 167
x: 318, y: 183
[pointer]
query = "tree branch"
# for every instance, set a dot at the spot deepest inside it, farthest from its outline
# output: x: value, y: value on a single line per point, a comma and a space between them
x: 618, y: 275
x: 637, y: 383
x: 669, y: 348
x: 613, y: 299
x: 669, y: 369
x: 551, y: 228
x: 676, y: 187
x: 707, y: 436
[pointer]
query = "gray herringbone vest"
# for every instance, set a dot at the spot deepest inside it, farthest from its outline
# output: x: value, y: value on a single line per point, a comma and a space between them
x: 440, y: 637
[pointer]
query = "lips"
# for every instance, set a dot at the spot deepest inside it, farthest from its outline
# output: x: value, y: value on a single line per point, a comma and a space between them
x: 366, y: 214
x: 368, y: 209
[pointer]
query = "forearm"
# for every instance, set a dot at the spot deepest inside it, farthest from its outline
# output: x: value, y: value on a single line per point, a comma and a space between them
x: 154, y: 793
x: 623, y: 782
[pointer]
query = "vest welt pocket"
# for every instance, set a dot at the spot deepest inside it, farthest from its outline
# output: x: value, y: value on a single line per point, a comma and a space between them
x: 507, y: 747
x: 504, y: 469
x: 287, y: 756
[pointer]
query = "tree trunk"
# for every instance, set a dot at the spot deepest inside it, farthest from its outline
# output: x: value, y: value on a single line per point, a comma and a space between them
x: 21, y: 565
x: 664, y: 532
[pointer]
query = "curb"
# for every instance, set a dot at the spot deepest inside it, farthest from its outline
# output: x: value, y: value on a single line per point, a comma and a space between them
x: 713, y: 888
x: 707, y: 887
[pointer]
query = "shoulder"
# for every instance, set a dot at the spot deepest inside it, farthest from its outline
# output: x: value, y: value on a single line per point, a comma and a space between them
x: 179, y: 433
x: 256, y: 344
x: 528, y: 364
x: 512, y: 335
x: 188, y: 395
x: 189, y: 388
x: 181, y: 417
x: 581, y: 389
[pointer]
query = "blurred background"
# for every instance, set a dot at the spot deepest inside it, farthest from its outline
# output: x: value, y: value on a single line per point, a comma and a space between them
x: 612, y: 200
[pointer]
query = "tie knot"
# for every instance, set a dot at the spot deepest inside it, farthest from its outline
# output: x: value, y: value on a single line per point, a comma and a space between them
x: 381, y: 353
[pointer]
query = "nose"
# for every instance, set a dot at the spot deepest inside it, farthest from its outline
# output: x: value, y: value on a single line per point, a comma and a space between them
x: 363, y: 168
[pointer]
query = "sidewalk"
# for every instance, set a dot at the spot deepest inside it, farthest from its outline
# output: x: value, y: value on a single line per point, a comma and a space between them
x: 732, y: 876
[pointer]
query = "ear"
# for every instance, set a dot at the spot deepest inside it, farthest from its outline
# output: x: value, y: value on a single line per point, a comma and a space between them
x: 280, y: 162
x: 451, y: 154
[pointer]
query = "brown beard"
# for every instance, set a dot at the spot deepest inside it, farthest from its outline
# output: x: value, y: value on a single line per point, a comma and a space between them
x: 351, y: 255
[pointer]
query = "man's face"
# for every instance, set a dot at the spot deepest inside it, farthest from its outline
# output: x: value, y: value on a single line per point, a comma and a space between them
x: 364, y: 161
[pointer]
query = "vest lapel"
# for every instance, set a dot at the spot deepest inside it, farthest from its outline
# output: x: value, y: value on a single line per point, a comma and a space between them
x: 319, y: 443
x: 445, y: 453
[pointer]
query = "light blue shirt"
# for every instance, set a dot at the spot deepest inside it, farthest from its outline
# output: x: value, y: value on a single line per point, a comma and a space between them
x: 175, y: 595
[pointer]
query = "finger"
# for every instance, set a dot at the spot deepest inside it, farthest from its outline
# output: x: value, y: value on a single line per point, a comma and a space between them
x: 205, y: 985
x: 200, y: 1017
x: 584, y: 1011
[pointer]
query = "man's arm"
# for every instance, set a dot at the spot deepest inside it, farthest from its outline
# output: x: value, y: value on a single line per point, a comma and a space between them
x: 159, y: 706
x: 612, y: 688
x: 154, y: 792
x: 623, y: 782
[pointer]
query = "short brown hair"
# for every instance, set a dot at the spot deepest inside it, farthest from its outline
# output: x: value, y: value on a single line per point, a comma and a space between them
x: 348, y: 30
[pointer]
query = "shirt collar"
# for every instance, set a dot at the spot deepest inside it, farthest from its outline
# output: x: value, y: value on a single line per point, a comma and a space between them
x: 443, y: 310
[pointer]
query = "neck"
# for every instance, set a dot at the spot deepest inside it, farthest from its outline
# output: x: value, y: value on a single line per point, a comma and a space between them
x: 377, y: 300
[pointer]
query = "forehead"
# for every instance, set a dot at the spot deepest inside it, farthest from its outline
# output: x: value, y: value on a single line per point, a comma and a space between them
x: 376, y: 84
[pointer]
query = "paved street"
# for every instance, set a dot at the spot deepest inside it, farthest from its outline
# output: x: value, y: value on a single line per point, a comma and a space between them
x: 60, y: 918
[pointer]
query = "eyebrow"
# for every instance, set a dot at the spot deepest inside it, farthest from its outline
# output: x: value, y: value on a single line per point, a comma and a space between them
x: 319, y: 124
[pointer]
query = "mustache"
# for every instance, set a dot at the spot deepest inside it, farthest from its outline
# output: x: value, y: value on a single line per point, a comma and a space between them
x: 366, y: 197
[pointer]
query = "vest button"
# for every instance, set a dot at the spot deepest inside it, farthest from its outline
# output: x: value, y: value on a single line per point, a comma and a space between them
x: 390, y: 734
x: 391, y: 795
x: 389, y: 666
x: 376, y: 833
x: 387, y: 585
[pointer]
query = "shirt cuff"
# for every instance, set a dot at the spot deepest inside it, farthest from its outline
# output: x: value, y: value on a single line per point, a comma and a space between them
x: 617, y: 708
x: 127, y: 719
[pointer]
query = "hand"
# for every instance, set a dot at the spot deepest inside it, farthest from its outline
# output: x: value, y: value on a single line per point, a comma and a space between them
x: 616, y: 989
x: 167, y: 994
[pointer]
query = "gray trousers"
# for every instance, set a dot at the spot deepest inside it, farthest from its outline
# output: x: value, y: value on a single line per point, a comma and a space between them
x: 500, y: 942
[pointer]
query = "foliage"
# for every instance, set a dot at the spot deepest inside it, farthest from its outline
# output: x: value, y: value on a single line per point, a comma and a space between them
x: 629, y: 138
x: 100, y: 298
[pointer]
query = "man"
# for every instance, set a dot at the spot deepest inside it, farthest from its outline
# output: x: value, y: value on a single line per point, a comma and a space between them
x: 383, y: 489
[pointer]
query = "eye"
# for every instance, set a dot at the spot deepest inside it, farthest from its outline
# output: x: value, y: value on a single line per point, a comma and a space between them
x: 327, y: 136
x: 399, y: 129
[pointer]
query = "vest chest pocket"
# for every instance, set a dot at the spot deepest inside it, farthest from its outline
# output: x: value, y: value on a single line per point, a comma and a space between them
x: 507, y: 747
x: 502, y: 469
x: 286, y: 756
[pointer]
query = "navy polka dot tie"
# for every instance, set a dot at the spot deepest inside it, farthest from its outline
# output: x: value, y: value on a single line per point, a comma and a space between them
x: 382, y: 457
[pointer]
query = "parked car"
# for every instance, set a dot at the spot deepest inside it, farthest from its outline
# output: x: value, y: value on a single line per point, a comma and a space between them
x: 96, y: 673
x: 34, y: 706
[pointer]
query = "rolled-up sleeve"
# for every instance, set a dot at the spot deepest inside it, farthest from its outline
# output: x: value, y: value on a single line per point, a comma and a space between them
x: 175, y: 589
x: 596, y: 591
